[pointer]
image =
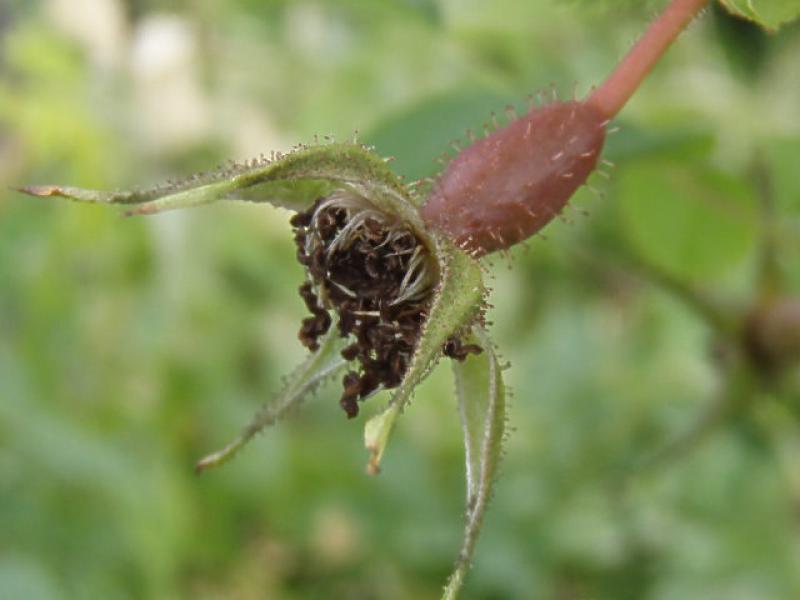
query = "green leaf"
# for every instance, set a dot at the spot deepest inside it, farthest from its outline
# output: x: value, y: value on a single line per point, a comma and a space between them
x: 457, y: 300
x: 481, y: 403
x: 769, y: 14
x: 318, y: 367
x: 691, y: 142
x: 747, y: 46
x: 291, y: 181
x: 692, y: 222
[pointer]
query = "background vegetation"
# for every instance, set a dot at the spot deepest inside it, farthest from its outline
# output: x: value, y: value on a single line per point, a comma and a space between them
x: 131, y: 347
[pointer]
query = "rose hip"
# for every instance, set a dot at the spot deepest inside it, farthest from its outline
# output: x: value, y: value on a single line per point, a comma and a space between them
x: 507, y: 186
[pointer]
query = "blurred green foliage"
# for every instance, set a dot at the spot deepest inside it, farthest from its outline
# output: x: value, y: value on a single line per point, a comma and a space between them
x: 131, y: 347
x: 770, y: 14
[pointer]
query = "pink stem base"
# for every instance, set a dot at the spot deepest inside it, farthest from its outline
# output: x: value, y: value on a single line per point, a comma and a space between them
x: 617, y: 89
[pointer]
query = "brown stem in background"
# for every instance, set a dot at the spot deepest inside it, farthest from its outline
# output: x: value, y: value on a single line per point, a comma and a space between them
x: 617, y: 89
x: 770, y: 278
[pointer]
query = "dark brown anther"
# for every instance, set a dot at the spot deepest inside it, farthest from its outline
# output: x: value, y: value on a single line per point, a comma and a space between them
x: 309, y: 297
x: 313, y: 328
x: 352, y: 388
x: 351, y: 352
x: 454, y: 349
x: 316, y: 326
x: 301, y: 219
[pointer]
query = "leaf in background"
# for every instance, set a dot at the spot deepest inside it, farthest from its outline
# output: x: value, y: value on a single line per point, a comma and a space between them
x: 23, y: 577
x: 783, y: 156
x: 692, y: 222
x: 746, y: 46
x: 769, y: 14
x: 292, y: 181
x: 635, y: 143
x: 416, y: 136
x: 481, y: 404
x: 318, y: 367
x: 457, y: 301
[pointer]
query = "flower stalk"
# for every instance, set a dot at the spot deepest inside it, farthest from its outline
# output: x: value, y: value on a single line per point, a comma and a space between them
x: 623, y: 82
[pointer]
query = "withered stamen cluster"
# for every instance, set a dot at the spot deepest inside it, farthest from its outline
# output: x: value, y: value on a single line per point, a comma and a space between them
x: 378, y: 277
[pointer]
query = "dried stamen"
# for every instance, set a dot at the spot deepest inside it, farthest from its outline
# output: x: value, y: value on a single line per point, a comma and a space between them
x: 372, y: 270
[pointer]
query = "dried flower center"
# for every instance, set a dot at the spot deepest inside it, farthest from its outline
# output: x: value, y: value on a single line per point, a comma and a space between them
x: 372, y: 270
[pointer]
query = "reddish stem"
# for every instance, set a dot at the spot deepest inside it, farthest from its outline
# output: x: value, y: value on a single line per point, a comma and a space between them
x: 617, y: 89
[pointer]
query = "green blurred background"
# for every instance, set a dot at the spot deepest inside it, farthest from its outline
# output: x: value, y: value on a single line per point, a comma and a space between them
x: 129, y: 348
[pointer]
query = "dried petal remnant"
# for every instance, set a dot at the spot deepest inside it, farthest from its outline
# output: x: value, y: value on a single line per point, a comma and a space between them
x: 378, y: 277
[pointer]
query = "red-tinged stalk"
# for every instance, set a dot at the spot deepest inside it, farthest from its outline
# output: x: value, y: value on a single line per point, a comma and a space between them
x: 504, y: 188
x: 623, y: 82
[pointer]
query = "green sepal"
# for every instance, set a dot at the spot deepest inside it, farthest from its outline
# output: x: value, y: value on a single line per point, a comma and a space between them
x: 317, y: 368
x: 481, y: 404
x: 376, y: 435
x: 295, y: 181
x: 457, y: 301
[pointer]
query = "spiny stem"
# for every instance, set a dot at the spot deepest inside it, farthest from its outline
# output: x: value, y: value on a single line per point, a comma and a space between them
x: 617, y: 89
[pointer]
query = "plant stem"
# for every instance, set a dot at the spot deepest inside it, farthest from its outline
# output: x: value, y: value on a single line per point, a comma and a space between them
x: 770, y: 278
x: 617, y: 89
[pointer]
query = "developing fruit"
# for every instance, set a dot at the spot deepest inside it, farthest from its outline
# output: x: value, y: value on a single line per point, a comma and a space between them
x: 507, y: 186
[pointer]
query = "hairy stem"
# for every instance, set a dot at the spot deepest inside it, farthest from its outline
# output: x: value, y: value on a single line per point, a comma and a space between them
x: 617, y: 89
